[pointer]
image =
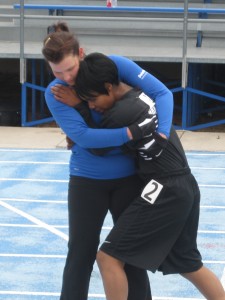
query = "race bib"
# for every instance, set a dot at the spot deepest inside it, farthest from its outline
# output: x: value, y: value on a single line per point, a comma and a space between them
x: 151, y: 191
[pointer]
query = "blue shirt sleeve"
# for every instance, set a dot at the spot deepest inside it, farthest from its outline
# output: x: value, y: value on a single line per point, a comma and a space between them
x: 74, y: 126
x: 135, y: 76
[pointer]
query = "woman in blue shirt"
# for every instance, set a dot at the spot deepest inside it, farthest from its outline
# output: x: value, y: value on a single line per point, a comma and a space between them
x: 97, y: 183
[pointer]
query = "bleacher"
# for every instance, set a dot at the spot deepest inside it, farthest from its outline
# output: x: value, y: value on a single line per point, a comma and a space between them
x: 145, y: 31
x: 158, y: 34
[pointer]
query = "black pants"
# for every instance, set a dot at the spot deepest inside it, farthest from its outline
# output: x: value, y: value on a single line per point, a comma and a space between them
x: 88, y: 203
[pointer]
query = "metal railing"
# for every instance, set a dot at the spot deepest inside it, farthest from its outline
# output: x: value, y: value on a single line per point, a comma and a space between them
x: 182, y: 11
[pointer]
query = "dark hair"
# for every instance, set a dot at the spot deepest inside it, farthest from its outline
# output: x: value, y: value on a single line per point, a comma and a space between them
x: 59, y: 43
x: 60, y: 26
x: 95, y: 70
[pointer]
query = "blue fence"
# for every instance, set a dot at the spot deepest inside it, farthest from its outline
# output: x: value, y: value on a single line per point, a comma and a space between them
x: 191, y: 107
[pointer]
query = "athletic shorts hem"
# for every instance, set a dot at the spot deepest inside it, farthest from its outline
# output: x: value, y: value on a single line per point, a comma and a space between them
x: 194, y: 268
x: 170, y: 270
x: 127, y: 261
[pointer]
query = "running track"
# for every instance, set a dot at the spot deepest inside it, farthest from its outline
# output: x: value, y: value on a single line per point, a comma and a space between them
x: 33, y: 225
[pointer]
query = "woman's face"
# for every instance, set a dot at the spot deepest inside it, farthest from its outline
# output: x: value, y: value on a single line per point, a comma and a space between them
x: 67, y: 69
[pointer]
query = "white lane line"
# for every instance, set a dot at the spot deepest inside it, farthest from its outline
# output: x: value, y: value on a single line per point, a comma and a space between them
x: 89, y: 295
x: 35, y: 220
x: 29, y: 293
x: 103, y: 228
x: 34, y: 180
x: 205, y: 154
x: 33, y: 201
x: 212, y: 262
x: 20, y: 225
x: 212, y: 185
x: 31, y: 225
x: 34, y: 150
x: 54, y: 294
x: 67, y: 163
x: 55, y: 180
x: 223, y: 279
x: 212, y: 206
x: 212, y: 231
x: 33, y: 255
x: 217, y: 262
x: 65, y: 202
x: 66, y: 151
x: 24, y: 162
x: 33, y: 162
x: 175, y: 298
x: 207, y: 168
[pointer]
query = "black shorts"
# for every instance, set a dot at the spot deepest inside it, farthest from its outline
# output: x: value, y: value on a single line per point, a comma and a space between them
x: 158, y: 231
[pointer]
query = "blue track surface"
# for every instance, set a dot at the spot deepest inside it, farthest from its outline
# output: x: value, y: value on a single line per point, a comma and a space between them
x: 33, y: 225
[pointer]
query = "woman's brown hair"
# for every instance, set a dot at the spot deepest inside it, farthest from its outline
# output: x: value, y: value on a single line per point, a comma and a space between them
x: 59, y: 43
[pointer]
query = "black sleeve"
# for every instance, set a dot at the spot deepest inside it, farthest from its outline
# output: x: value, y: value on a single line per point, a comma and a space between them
x: 129, y: 110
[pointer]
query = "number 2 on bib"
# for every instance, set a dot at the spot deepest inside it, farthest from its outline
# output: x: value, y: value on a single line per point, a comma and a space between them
x: 151, y: 191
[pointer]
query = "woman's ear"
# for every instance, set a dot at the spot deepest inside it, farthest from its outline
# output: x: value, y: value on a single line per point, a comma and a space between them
x: 81, y: 53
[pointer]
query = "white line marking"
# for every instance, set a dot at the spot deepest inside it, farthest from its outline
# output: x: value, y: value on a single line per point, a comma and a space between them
x: 103, y: 228
x: 213, y: 206
x: 34, y: 201
x: 31, y: 226
x: 28, y: 293
x: 65, y: 202
x: 217, y: 262
x: 33, y: 162
x: 212, y: 231
x: 96, y: 295
x: 205, y: 154
x: 212, y: 185
x: 29, y: 179
x: 175, y: 298
x: 55, y: 180
x: 67, y: 163
x: 223, y: 279
x: 49, y: 294
x: 107, y: 227
x: 89, y: 295
x: 34, y: 150
x: 20, y: 225
x: 222, y: 262
x: 32, y: 255
x: 203, y: 168
x: 66, y: 151
x: 35, y: 220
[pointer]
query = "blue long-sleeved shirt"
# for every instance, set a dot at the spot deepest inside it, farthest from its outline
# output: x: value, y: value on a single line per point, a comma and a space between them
x: 82, y: 162
x: 135, y: 76
x: 114, y: 164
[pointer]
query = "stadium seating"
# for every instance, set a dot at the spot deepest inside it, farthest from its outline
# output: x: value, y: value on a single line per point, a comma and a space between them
x: 145, y: 31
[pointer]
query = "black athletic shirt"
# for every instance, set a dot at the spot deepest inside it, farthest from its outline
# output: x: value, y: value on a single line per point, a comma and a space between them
x: 130, y: 109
